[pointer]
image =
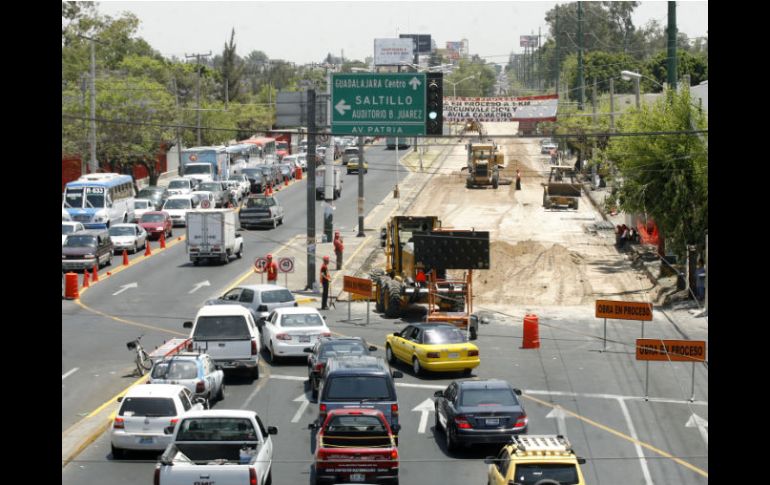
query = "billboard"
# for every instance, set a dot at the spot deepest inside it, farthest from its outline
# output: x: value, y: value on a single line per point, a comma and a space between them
x: 393, y: 52
x: 533, y: 108
x: 422, y: 42
x: 455, y: 49
x: 528, y: 41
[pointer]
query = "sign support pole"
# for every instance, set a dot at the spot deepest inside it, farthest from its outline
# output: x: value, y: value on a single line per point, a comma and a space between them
x: 367, y: 322
x: 646, y: 380
x: 642, y: 328
x: 604, y: 347
x: 350, y: 299
x: 692, y: 389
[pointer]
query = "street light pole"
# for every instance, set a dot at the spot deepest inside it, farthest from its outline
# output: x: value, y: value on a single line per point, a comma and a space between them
x: 627, y: 75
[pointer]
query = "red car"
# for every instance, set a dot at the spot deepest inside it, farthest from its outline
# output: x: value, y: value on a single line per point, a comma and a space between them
x: 155, y: 223
x: 355, y: 445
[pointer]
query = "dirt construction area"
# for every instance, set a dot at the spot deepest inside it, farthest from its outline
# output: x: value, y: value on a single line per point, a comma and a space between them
x: 539, y: 257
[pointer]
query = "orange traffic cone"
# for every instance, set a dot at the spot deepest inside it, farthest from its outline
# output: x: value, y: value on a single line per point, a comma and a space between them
x: 125, y: 257
x: 162, y: 240
x: 95, y: 273
x: 85, y: 278
x: 286, y: 181
x: 147, y: 249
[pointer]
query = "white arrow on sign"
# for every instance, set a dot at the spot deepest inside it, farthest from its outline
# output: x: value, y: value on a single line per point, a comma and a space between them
x: 560, y: 416
x: 301, y: 399
x: 124, y: 288
x: 414, y: 82
x: 198, y: 286
x: 696, y: 421
x: 341, y: 107
x: 424, y: 407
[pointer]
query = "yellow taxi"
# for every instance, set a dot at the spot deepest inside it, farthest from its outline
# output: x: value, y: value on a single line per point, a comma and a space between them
x: 536, y: 459
x: 437, y: 347
x: 353, y: 165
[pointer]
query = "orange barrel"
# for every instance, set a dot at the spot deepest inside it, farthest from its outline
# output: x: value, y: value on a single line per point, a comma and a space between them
x: 71, y: 286
x: 531, y: 332
x: 298, y: 175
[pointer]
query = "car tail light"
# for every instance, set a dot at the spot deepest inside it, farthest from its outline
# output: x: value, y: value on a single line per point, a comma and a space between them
x: 462, y: 422
x: 394, y: 409
x: 156, y: 477
x: 433, y: 355
x: 283, y: 336
x: 200, y: 387
x: 321, y: 408
x: 118, y: 424
x: 319, y: 367
x: 190, y: 347
x: 394, y: 454
x: 521, y: 422
x: 326, y: 334
x: 253, y: 347
x: 322, y: 455
x: 473, y: 353
x: 253, y: 476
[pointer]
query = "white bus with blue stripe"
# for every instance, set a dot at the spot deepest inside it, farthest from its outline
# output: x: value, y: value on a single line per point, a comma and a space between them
x: 100, y: 199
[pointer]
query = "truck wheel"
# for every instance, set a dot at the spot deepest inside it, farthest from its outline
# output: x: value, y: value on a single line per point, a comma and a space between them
x: 240, y: 252
x: 576, y: 204
x: 195, y: 262
x: 495, y: 183
x: 468, y: 184
x: 393, y: 308
x: 269, y: 479
x: 255, y: 372
x: 474, y: 333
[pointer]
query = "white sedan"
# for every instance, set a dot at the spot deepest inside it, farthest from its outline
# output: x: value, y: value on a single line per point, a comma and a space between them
x: 68, y: 227
x: 177, y: 207
x: 128, y: 236
x: 287, y: 331
x: 141, y: 206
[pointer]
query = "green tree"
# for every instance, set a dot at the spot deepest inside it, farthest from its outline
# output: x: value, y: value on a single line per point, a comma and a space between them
x: 232, y: 70
x: 665, y: 176
x: 694, y: 65
x: 482, y: 84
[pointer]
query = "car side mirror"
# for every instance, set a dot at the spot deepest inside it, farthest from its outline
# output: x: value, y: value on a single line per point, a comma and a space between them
x: 308, y: 350
x: 312, y: 426
x: 490, y: 460
x: 396, y: 428
x: 168, y: 430
x: 187, y: 325
x: 237, y: 234
x: 581, y: 461
x: 396, y: 334
x: 372, y: 348
x: 397, y: 374
x: 272, y: 430
x: 438, y: 394
x: 517, y: 391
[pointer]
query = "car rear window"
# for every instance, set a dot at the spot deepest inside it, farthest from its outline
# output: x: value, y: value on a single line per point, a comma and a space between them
x: 216, y: 429
x: 151, y: 407
x: 341, y: 349
x: 444, y: 335
x: 301, y: 320
x: 277, y: 296
x: 488, y: 397
x: 534, y: 473
x: 175, y: 369
x: 231, y: 327
x: 354, y: 388
x: 356, y: 424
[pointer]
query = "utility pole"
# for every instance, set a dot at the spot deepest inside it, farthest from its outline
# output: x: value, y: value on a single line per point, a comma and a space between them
x: 94, y: 164
x: 612, y: 105
x: 178, y: 138
x: 311, y: 163
x: 671, y: 45
x: 226, y: 93
x: 360, y: 187
x: 198, y: 92
x: 83, y: 88
x: 581, y: 78
x: 558, y: 59
x: 539, y: 62
x: 593, y: 99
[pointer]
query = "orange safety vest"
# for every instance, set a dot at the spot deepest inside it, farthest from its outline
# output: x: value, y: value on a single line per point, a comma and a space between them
x: 272, y: 272
x: 325, y: 273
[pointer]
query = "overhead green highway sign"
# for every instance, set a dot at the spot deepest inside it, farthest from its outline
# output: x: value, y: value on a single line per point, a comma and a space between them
x: 378, y: 103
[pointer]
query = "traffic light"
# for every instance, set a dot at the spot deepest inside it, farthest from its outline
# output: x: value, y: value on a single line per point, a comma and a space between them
x: 435, y: 91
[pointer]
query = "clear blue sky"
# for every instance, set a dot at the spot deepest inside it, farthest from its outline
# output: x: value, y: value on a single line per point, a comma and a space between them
x: 306, y: 31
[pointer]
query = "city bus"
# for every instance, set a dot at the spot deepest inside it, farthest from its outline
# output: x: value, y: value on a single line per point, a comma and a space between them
x: 100, y: 199
x: 390, y: 142
x: 265, y: 148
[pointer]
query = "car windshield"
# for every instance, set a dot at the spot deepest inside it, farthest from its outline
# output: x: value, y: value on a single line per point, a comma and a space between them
x: 122, y: 231
x: 301, y: 320
x: 259, y: 202
x: 266, y: 169
x: 197, y: 169
x: 338, y: 349
x: 229, y: 327
x: 150, y: 194
x: 277, y: 296
x: 236, y: 178
x: 530, y: 474
x: 67, y: 228
x: 179, y: 184
x: 175, y: 369
x: 210, y: 187
x: 177, y: 204
x: 152, y: 218
x: 444, y: 335
x: 151, y: 407
x: 141, y: 204
x: 252, y: 172
x: 353, y: 388
x: 80, y: 241
x: 216, y: 429
x: 488, y: 397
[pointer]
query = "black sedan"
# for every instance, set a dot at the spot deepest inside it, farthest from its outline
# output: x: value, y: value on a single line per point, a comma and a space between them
x: 479, y: 411
x: 256, y: 179
x: 327, y: 347
x: 157, y: 195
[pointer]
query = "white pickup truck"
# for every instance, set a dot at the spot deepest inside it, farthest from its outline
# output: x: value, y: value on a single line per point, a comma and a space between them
x: 222, y: 447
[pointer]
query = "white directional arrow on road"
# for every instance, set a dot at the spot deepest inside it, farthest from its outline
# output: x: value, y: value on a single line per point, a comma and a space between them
x: 302, y: 399
x: 424, y: 407
x: 341, y: 107
x: 696, y: 421
x: 124, y: 288
x: 199, y: 285
x: 560, y: 416
x: 414, y: 82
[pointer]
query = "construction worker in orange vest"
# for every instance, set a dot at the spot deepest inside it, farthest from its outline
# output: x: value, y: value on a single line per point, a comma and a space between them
x: 272, y: 270
x: 338, y: 248
x: 325, y: 279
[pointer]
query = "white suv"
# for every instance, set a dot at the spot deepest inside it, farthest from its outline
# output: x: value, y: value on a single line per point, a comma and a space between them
x: 144, y: 412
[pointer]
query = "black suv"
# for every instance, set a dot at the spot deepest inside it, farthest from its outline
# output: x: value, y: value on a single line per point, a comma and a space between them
x: 84, y: 249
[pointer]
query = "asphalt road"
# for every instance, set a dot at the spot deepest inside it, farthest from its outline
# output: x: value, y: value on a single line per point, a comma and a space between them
x: 95, y: 361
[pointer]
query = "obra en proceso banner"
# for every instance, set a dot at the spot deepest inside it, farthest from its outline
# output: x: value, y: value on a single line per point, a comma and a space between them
x: 530, y: 108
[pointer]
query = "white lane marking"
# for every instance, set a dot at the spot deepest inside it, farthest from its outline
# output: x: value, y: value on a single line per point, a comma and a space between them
x: 426, y: 407
x: 639, y: 451
x: 613, y: 396
x: 561, y: 417
x: 125, y: 287
x: 420, y: 386
x: 198, y: 286
x: 696, y: 421
x: 305, y: 402
x: 69, y: 373
x: 288, y: 378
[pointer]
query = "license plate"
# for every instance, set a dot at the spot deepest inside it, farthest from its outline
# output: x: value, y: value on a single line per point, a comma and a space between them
x: 454, y: 355
x: 357, y: 477
x: 304, y: 338
x: 146, y: 440
x: 493, y: 422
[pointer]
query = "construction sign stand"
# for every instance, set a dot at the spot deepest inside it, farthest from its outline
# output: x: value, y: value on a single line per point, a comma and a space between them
x: 357, y: 286
x: 622, y: 310
x: 286, y: 266
x: 693, y: 351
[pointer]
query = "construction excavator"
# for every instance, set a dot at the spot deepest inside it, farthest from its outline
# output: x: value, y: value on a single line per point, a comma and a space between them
x: 474, y: 125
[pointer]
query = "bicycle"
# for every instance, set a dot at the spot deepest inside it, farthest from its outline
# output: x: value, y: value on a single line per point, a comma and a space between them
x: 142, y: 361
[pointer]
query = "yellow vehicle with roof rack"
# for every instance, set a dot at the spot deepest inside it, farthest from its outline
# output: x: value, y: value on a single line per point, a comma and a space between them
x: 536, y: 460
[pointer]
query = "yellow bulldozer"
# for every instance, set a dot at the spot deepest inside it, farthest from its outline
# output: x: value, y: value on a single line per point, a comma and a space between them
x: 484, y: 164
x: 474, y: 125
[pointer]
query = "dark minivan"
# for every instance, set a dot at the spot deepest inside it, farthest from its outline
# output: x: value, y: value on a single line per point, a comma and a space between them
x: 84, y: 249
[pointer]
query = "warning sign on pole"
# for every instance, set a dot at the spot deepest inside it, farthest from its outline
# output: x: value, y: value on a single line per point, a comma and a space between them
x: 286, y: 265
x: 624, y: 310
x: 260, y: 264
x: 671, y: 350
x: 358, y: 286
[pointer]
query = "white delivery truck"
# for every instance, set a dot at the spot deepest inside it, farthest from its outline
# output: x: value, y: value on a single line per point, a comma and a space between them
x: 211, y: 235
x: 320, y: 179
x: 222, y: 447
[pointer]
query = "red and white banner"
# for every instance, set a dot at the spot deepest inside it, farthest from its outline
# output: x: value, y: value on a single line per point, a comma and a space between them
x: 530, y: 108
